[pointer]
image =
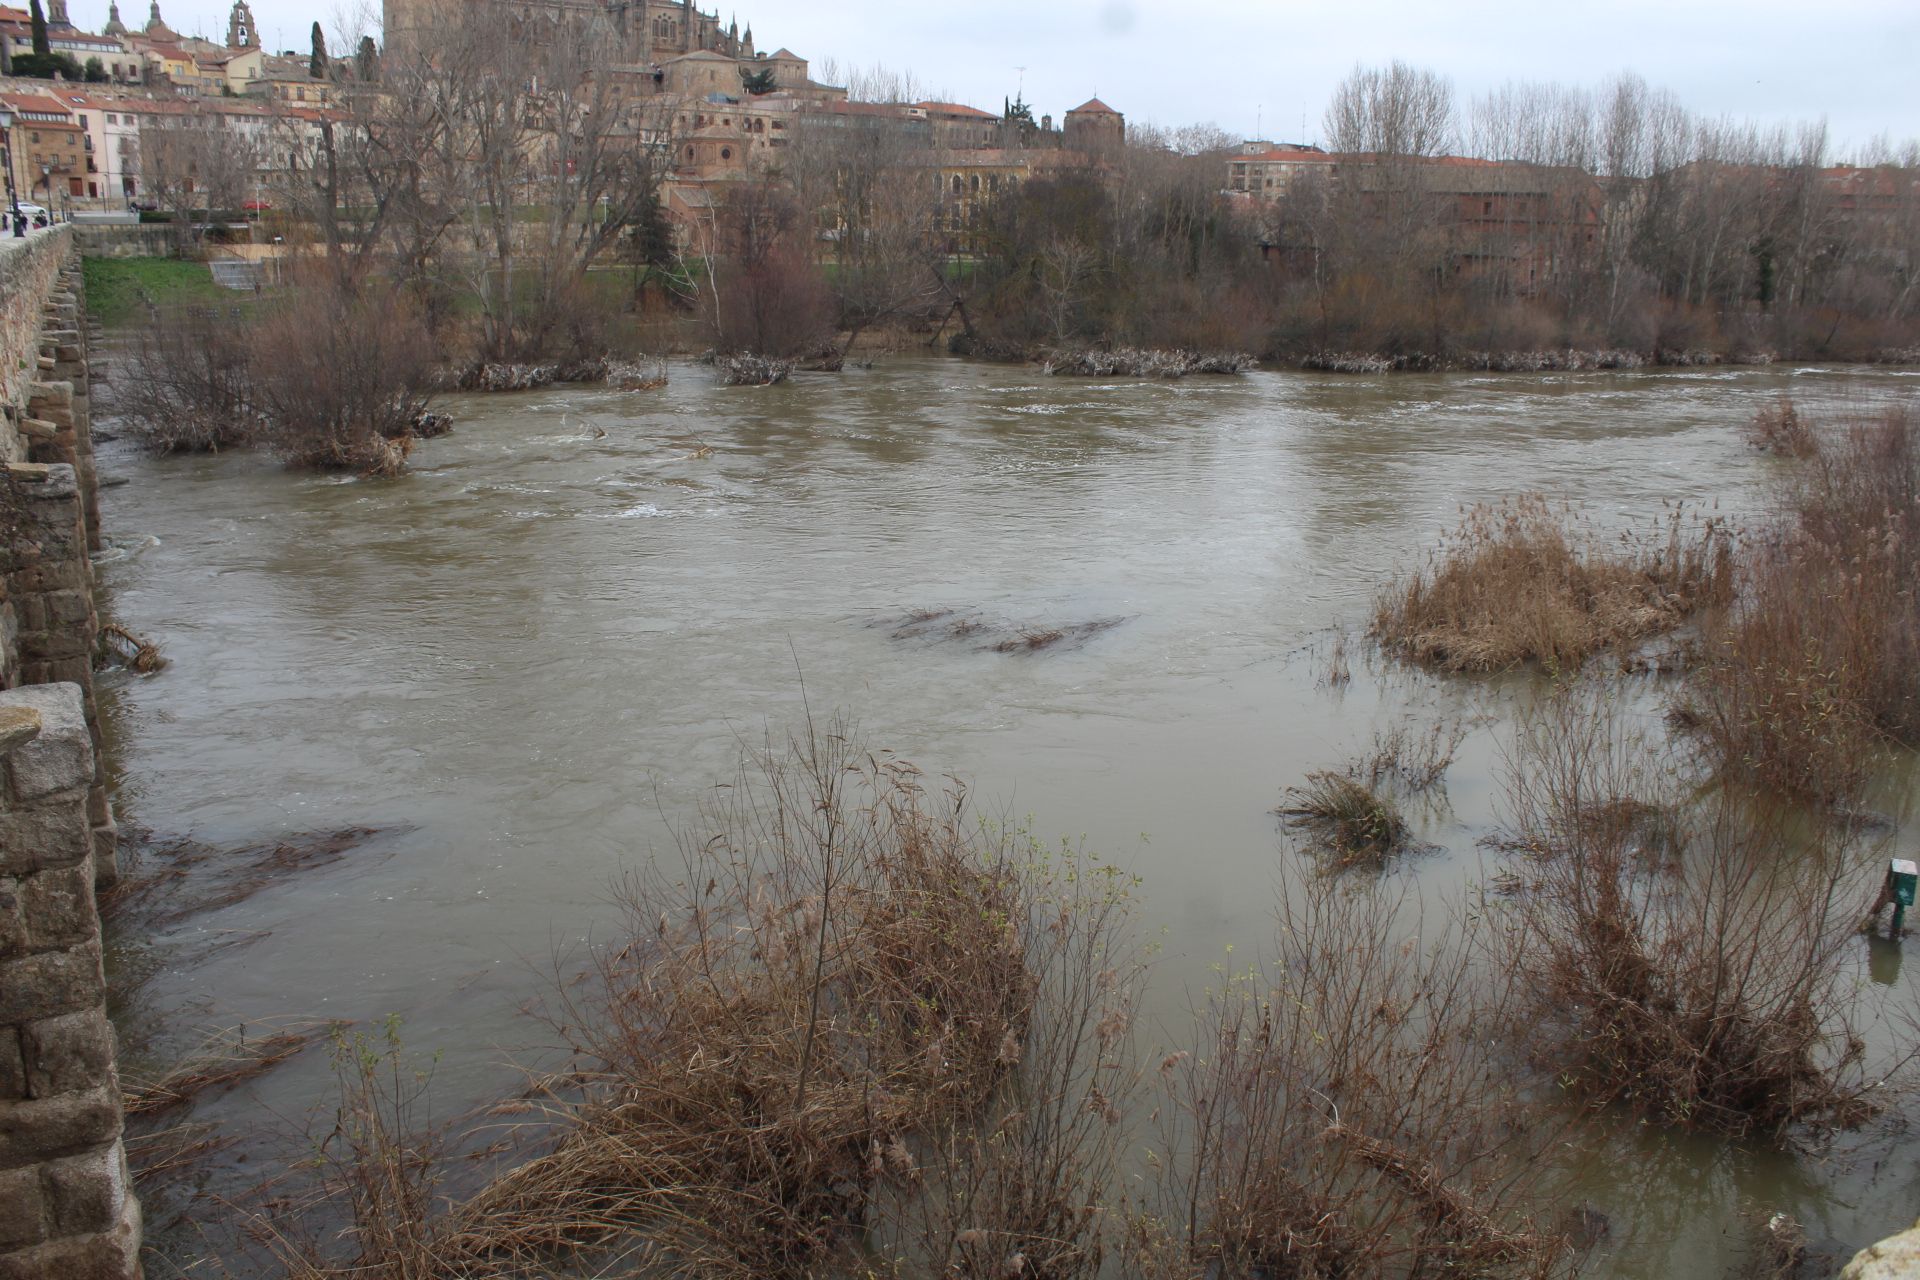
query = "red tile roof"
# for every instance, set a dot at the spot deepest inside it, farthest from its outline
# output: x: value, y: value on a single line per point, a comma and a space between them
x: 955, y: 109
x: 1093, y: 107
x: 33, y: 102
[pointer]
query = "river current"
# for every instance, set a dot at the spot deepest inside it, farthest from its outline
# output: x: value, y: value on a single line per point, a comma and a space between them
x: 525, y: 660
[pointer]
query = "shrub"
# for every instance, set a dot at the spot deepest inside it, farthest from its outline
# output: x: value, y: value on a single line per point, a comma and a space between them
x: 344, y: 374
x: 1518, y: 582
x: 852, y: 1024
x: 189, y: 384
x: 1695, y: 970
x: 1812, y: 672
x: 1346, y: 1113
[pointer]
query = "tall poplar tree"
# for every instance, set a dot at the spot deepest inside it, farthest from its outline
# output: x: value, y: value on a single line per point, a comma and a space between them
x: 317, y: 66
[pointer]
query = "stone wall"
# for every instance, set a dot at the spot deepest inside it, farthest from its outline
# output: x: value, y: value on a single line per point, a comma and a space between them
x: 28, y: 269
x: 67, y: 1208
x: 66, y: 1204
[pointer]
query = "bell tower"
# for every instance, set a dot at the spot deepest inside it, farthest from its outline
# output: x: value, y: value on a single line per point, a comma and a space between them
x: 241, y: 33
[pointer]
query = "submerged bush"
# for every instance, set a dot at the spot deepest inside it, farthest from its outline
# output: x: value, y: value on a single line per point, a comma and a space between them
x: 329, y: 375
x: 1813, y: 671
x: 1694, y: 968
x: 1519, y: 582
x: 343, y: 374
x: 853, y: 1024
x: 188, y: 385
x: 1346, y: 1113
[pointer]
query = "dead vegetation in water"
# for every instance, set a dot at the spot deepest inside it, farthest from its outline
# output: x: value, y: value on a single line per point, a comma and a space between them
x: 1346, y: 819
x: 853, y: 1026
x: 749, y: 370
x: 994, y: 635
x: 226, y: 1057
x: 1353, y: 816
x: 176, y: 878
x: 1345, y: 1112
x: 120, y: 647
x: 1709, y: 987
x: 1781, y: 429
x: 1522, y: 581
x: 1809, y: 677
x: 1129, y: 362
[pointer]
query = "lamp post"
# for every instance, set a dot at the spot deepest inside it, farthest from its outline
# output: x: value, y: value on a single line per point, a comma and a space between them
x: 6, y: 158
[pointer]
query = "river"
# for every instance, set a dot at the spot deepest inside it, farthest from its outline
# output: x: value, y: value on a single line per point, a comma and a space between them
x: 528, y: 657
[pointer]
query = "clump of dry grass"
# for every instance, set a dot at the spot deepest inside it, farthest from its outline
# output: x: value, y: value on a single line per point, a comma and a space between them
x: 1519, y: 582
x: 1353, y: 816
x: 1345, y: 1113
x: 1811, y: 674
x: 1708, y: 989
x: 1350, y: 821
x: 1779, y: 428
x: 227, y: 1057
x: 852, y: 1022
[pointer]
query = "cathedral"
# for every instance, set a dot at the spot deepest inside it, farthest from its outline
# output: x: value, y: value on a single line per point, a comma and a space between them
x: 649, y: 31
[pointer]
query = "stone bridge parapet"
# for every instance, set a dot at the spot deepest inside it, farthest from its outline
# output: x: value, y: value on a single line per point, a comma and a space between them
x: 67, y: 1207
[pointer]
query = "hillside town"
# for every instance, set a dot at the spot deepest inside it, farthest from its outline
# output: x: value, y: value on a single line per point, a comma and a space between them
x: 144, y: 119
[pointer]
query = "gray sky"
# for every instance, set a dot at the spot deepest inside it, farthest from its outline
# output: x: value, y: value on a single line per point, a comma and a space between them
x: 1236, y: 62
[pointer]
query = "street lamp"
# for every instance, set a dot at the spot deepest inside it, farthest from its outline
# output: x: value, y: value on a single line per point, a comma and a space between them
x: 6, y: 158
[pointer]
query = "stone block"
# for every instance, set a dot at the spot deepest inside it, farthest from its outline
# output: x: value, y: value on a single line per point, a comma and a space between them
x: 61, y: 757
x: 13, y: 919
x: 23, y: 1208
x: 50, y: 983
x: 17, y: 725
x: 113, y: 1255
x: 58, y: 906
x: 85, y: 1194
x: 13, y: 1067
x: 52, y: 833
x: 69, y: 607
x: 68, y: 1124
x: 68, y: 1054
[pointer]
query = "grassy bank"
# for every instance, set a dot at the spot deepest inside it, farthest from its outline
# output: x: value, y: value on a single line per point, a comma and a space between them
x: 119, y: 289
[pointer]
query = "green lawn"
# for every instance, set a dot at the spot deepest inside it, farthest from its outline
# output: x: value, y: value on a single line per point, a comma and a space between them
x: 119, y: 288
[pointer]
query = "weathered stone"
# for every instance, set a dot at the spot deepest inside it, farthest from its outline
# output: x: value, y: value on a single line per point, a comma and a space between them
x: 61, y: 756
x: 112, y: 1255
x: 23, y: 1210
x: 58, y: 906
x: 51, y: 833
x: 86, y: 1194
x: 13, y: 919
x: 17, y: 725
x: 13, y: 1069
x: 68, y: 1123
x: 49, y: 983
x: 1895, y: 1258
x: 68, y: 1054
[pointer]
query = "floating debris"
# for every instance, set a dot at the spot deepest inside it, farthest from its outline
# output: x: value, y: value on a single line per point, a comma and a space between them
x: 1128, y: 362
x: 995, y: 636
x: 754, y: 371
x: 118, y: 646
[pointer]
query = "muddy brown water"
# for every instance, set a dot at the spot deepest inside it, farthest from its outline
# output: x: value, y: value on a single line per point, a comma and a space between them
x: 529, y: 657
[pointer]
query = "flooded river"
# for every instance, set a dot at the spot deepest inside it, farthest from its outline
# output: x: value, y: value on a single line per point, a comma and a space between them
x: 529, y: 657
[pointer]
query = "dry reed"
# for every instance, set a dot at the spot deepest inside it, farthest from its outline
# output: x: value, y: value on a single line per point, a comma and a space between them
x: 1520, y: 582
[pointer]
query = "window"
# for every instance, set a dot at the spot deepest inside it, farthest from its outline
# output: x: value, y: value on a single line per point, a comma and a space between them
x: 1486, y: 208
x: 726, y: 153
x: 110, y: 118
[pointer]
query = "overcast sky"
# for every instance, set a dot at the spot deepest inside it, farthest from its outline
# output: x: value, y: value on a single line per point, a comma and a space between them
x: 1271, y: 64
